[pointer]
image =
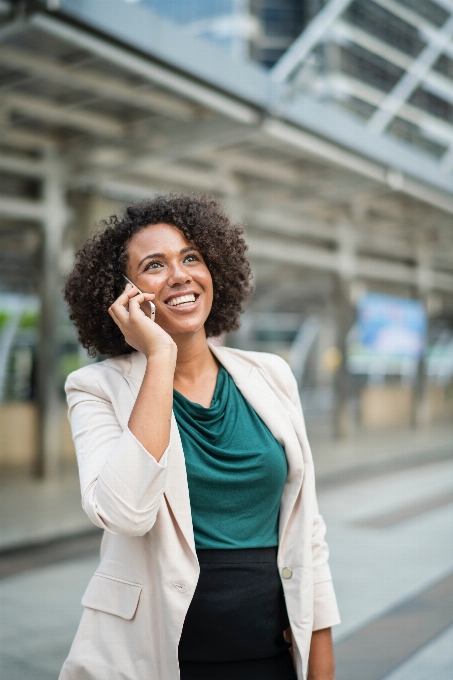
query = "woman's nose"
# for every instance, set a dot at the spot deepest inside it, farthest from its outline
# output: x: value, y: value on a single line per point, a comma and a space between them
x: 178, y: 275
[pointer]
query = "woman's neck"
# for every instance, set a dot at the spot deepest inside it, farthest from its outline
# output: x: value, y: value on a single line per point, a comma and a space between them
x: 194, y: 357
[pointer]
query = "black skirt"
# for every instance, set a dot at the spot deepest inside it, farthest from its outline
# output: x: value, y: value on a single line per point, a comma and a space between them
x: 234, y: 626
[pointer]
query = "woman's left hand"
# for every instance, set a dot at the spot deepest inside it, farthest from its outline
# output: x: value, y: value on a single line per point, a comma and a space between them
x: 321, y: 662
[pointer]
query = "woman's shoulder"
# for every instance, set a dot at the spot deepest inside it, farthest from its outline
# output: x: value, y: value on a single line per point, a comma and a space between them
x: 98, y: 373
x: 273, y: 365
x: 274, y: 369
x: 258, y: 358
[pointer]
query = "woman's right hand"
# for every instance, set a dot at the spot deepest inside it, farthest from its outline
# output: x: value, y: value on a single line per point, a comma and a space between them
x: 139, y: 331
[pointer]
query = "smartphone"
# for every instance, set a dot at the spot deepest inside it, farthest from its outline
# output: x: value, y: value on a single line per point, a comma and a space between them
x: 152, y: 305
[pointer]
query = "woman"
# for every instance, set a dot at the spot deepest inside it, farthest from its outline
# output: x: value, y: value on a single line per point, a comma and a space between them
x: 195, y: 462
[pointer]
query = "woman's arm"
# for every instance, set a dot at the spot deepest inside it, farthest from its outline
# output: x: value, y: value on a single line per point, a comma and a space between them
x: 155, y: 399
x: 151, y: 417
x: 321, y: 662
x: 121, y: 484
x: 121, y: 480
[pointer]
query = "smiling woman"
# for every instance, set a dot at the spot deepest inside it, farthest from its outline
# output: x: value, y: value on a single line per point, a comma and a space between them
x: 194, y: 460
x: 177, y: 276
x: 97, y: 278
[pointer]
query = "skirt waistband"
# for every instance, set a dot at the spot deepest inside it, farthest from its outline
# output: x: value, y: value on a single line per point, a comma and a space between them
x: 238, y: 555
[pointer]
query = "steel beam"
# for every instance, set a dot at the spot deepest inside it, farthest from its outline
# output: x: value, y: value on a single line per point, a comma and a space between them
x: 431, y: 125
x: 193, y: 139
x: 27, y: 140
x: 298, y: 138
x: 166, y: 77
x: 178, y: 175
x: 447, y: 160
x: 410, y: 80
x: 368, y: 268
x: 96, y: 83
x: 427, y: 30
x: 12, y: 28
x: 274, y: 249
x: 27, y: 167
x: 334, y: 154
x: 174, y: 176
x: 278, y: 171
x: 50, y: 112
x: 445, y: 4
x: 21, y: 209
x: 280, y: 222
x: 433, y: 81
x: 312, y: 34
x: 127, y: 191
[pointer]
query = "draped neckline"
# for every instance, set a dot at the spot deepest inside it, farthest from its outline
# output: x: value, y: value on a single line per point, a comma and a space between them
x: 213, y: 413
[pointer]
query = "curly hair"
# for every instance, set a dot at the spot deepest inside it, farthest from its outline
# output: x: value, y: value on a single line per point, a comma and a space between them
x: 96, y: 279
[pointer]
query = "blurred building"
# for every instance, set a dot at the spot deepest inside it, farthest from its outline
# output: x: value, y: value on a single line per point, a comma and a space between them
x: 327, y: 128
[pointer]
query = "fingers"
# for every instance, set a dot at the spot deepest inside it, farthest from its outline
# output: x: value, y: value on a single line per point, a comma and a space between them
x: 132, y: 292
x: 128, y: 302
x: 126, y: 295
x: 118, y: 309
x: 135, y: 304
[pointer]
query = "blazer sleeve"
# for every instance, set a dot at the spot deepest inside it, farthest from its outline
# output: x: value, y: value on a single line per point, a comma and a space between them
x: 121, y: 483
x: 325, y: 607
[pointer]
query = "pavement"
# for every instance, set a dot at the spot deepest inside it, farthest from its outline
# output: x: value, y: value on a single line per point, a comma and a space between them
x: 388, y: 505
x: 381, y: 449
x: 33, y: 511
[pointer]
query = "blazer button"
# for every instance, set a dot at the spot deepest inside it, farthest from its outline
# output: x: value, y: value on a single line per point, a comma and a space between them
x: 287, y: 572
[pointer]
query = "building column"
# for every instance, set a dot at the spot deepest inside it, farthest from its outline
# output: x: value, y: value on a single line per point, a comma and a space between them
x: 345, y: 315
x: 53, y: 225
x: 424, y: 287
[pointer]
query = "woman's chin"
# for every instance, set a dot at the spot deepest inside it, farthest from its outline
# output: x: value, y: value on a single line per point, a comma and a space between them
x: 186, y: 329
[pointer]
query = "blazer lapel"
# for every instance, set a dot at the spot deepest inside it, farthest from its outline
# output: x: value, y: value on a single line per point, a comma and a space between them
x: 176, y: 487
x: 275, y: 414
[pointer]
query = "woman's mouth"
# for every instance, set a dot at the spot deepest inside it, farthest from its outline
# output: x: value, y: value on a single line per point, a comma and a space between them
x: 182, y: 300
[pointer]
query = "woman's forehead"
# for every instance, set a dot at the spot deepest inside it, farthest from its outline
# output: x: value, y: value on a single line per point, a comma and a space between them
x: 159, y: 237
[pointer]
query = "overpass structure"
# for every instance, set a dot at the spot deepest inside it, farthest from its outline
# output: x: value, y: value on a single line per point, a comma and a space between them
x: 339, y: 159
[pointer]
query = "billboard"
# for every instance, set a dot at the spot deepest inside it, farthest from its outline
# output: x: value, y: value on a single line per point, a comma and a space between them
x: 389, y: 337
x: 391, y: 326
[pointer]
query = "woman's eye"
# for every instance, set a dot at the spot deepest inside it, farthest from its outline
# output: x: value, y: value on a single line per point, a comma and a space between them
x: 191, y: 258
x: 153, y: 265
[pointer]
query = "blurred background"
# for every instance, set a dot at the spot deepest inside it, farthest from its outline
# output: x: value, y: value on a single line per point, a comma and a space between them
x: 326, y: 127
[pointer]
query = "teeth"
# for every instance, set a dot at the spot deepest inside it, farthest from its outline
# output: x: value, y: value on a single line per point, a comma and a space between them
x: 181, y: 300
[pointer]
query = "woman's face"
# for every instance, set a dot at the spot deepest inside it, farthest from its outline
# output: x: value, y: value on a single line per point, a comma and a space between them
x: 162, y: 262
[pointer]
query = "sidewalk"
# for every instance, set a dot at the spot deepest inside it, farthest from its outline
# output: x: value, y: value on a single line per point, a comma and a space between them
x: 33, y: 511
x: 336, y: 461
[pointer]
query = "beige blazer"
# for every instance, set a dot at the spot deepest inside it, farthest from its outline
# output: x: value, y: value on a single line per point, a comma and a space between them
x: 136, y: 602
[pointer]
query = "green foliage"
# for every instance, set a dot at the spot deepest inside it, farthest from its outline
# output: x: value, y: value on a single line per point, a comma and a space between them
x: 29, y: 320
x: 4, y: 316
x: 68, y: 363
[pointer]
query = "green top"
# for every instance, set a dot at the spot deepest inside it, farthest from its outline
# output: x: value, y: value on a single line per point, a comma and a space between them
x: 236, y: 469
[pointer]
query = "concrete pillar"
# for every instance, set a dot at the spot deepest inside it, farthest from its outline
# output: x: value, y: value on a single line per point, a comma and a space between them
x: 345, y: 315
x: 424, y: 287
x: 53, y: 225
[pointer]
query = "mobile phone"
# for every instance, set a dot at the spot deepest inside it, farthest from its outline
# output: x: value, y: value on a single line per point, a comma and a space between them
x: 152, y: 305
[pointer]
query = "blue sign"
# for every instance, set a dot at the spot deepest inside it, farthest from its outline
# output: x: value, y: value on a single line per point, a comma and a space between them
x: 391, y: 326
